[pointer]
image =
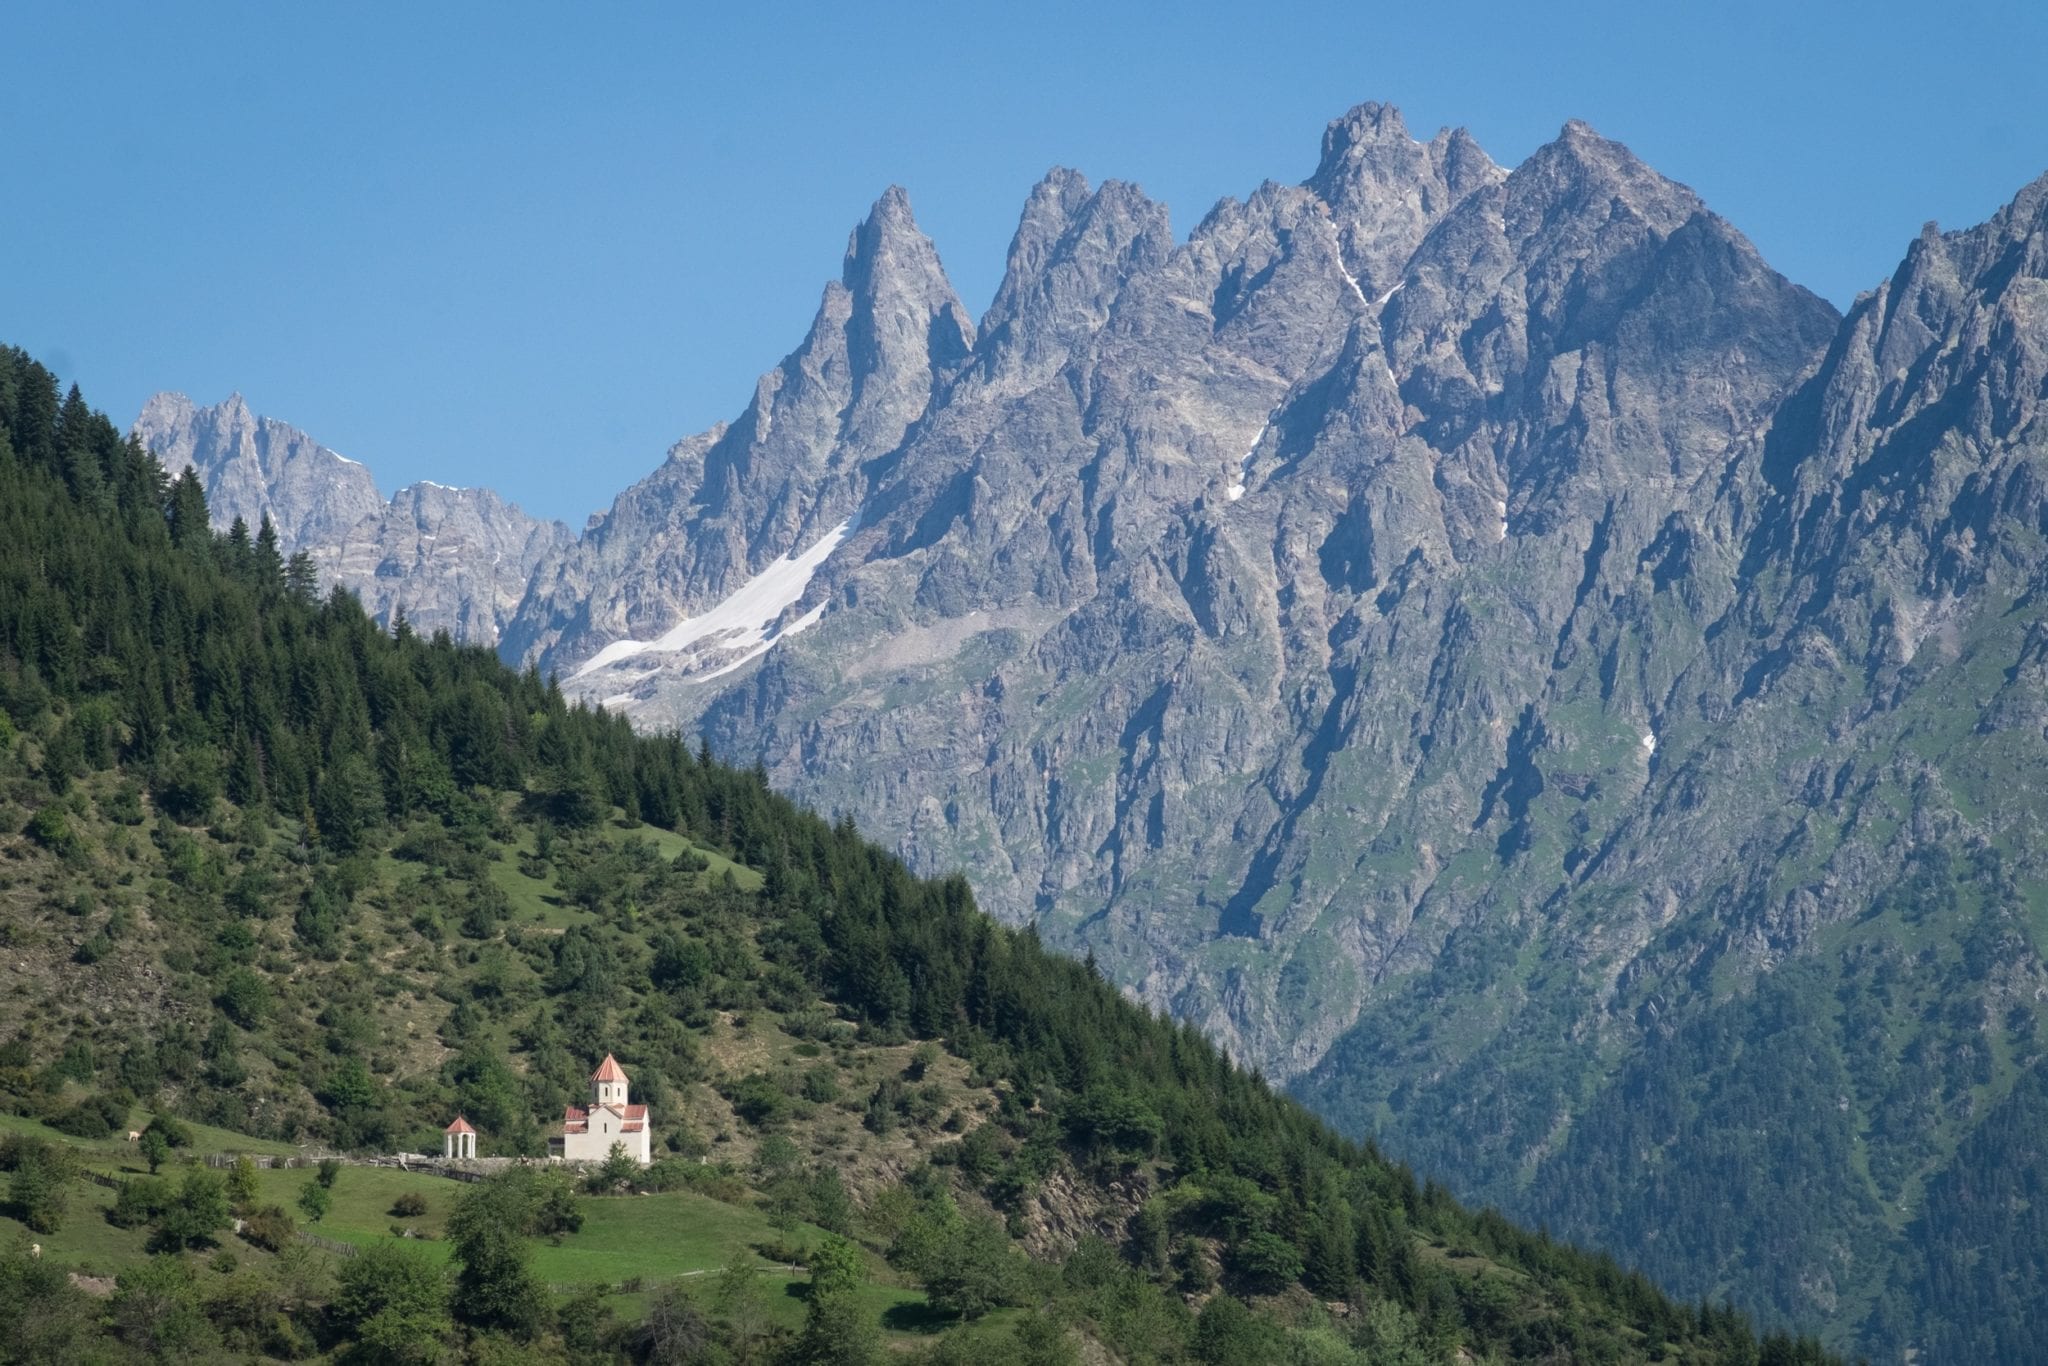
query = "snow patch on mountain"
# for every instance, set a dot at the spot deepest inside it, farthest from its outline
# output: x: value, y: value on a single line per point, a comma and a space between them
x: 745, y: 620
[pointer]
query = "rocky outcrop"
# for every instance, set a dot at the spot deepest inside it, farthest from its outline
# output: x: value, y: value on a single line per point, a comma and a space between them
x: 455, y: 560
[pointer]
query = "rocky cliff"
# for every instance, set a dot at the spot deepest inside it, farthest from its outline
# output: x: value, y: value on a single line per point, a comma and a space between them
x: 449, y: 559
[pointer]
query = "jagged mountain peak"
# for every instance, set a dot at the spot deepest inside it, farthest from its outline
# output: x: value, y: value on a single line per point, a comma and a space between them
x: 902, y: 309
x: 1583, y: 173
x: 1385, y: 190
x: 165, y: 405
x: 1348, y: 135
x: 1073, y: 251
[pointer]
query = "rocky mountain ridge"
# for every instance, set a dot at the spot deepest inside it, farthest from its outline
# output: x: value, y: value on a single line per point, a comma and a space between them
x: 453, y: 559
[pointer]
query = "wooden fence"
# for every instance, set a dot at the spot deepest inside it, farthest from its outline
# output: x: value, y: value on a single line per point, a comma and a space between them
x: 475, y: 1169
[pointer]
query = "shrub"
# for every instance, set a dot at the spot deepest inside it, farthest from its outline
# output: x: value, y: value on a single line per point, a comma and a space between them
x: 315, y: 1200
x: 139, y: 1201
x: 93, y: 1117
x: 242, y: 1180
x: 394, y: 1302
x: 270, y: 1228
x: 41, y: 1185
x: 410, y: 1205
x: 195, y: 1214
x: 245, y: 997
x: 1265, y: 1262
x: 174, y: 1132
x: 51, y: 828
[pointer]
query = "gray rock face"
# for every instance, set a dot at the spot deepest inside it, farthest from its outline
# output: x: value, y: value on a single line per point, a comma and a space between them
x: 1129, y: 607
x: 252, y: 467
x: 729, y: 503
x: 455, y: 560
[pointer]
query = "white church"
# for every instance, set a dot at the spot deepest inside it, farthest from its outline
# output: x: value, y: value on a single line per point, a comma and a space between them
x: 589, y: 1133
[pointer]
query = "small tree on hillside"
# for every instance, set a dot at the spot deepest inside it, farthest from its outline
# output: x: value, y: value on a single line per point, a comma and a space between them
x: 242, y: 1180
x: 41, y: 1186
x: 616, y: 1172
x: 196, y: 1213
x: 394, y: 1303
x: 837, y: 1331
x: 155, y: 1148
x: 315, y: 1200
x: 494, y: 1282
x: 742, y: 1303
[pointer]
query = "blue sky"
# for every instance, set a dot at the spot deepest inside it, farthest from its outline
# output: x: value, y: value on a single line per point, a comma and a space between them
x: 531, y: 245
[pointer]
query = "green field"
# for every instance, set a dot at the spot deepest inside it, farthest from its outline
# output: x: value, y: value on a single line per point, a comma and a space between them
x: 636, y: 1241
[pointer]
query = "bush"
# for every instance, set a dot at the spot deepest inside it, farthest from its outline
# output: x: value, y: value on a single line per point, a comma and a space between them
x: 270, y: 1228
x: 140, y: 1201
x: 93, y: 1117
x: 195, y: 1214
x: 393, y: 1302
x: 1265, y: 1262
x: 188, y: 784
x: 315, y: 1200
x: 410, y: 1205
x: 51, y: 828
x: 174, y: 1132
x: 245, y: 996
x: 41, y: 1185
x: 242, y: 1180
x: 759, y: 1100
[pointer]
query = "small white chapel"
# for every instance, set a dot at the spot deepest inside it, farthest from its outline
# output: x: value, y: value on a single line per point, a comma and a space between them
x: 588, y: 1133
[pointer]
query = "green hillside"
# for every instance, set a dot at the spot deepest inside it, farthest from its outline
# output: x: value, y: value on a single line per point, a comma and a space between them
x: 274, y: 879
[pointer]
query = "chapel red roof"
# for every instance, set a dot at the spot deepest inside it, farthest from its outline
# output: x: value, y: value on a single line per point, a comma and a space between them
x: 575, y: 1121
x: 609, y: 1070
x: 460, y: 1126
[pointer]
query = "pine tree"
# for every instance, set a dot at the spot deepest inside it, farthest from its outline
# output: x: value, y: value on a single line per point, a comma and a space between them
x: 301, y: 578
x: 189, y: 527
x: 269, y: 563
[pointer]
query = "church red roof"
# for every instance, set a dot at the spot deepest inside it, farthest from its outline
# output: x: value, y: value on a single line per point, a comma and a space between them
x: 460, y: 1126
x: 609, y: 1070
x: 575, y: 1121
x: 634, y: 1112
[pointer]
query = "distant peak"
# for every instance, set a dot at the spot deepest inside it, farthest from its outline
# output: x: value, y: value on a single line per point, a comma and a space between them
x: 890, y: 227
x: 167, y: 401
x: 1362, y: 131
x: 1063, y: 178
x: 893, y: 206
x: 1579, y: 141
x: 1362, y: 125
x: 1581, y: 160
